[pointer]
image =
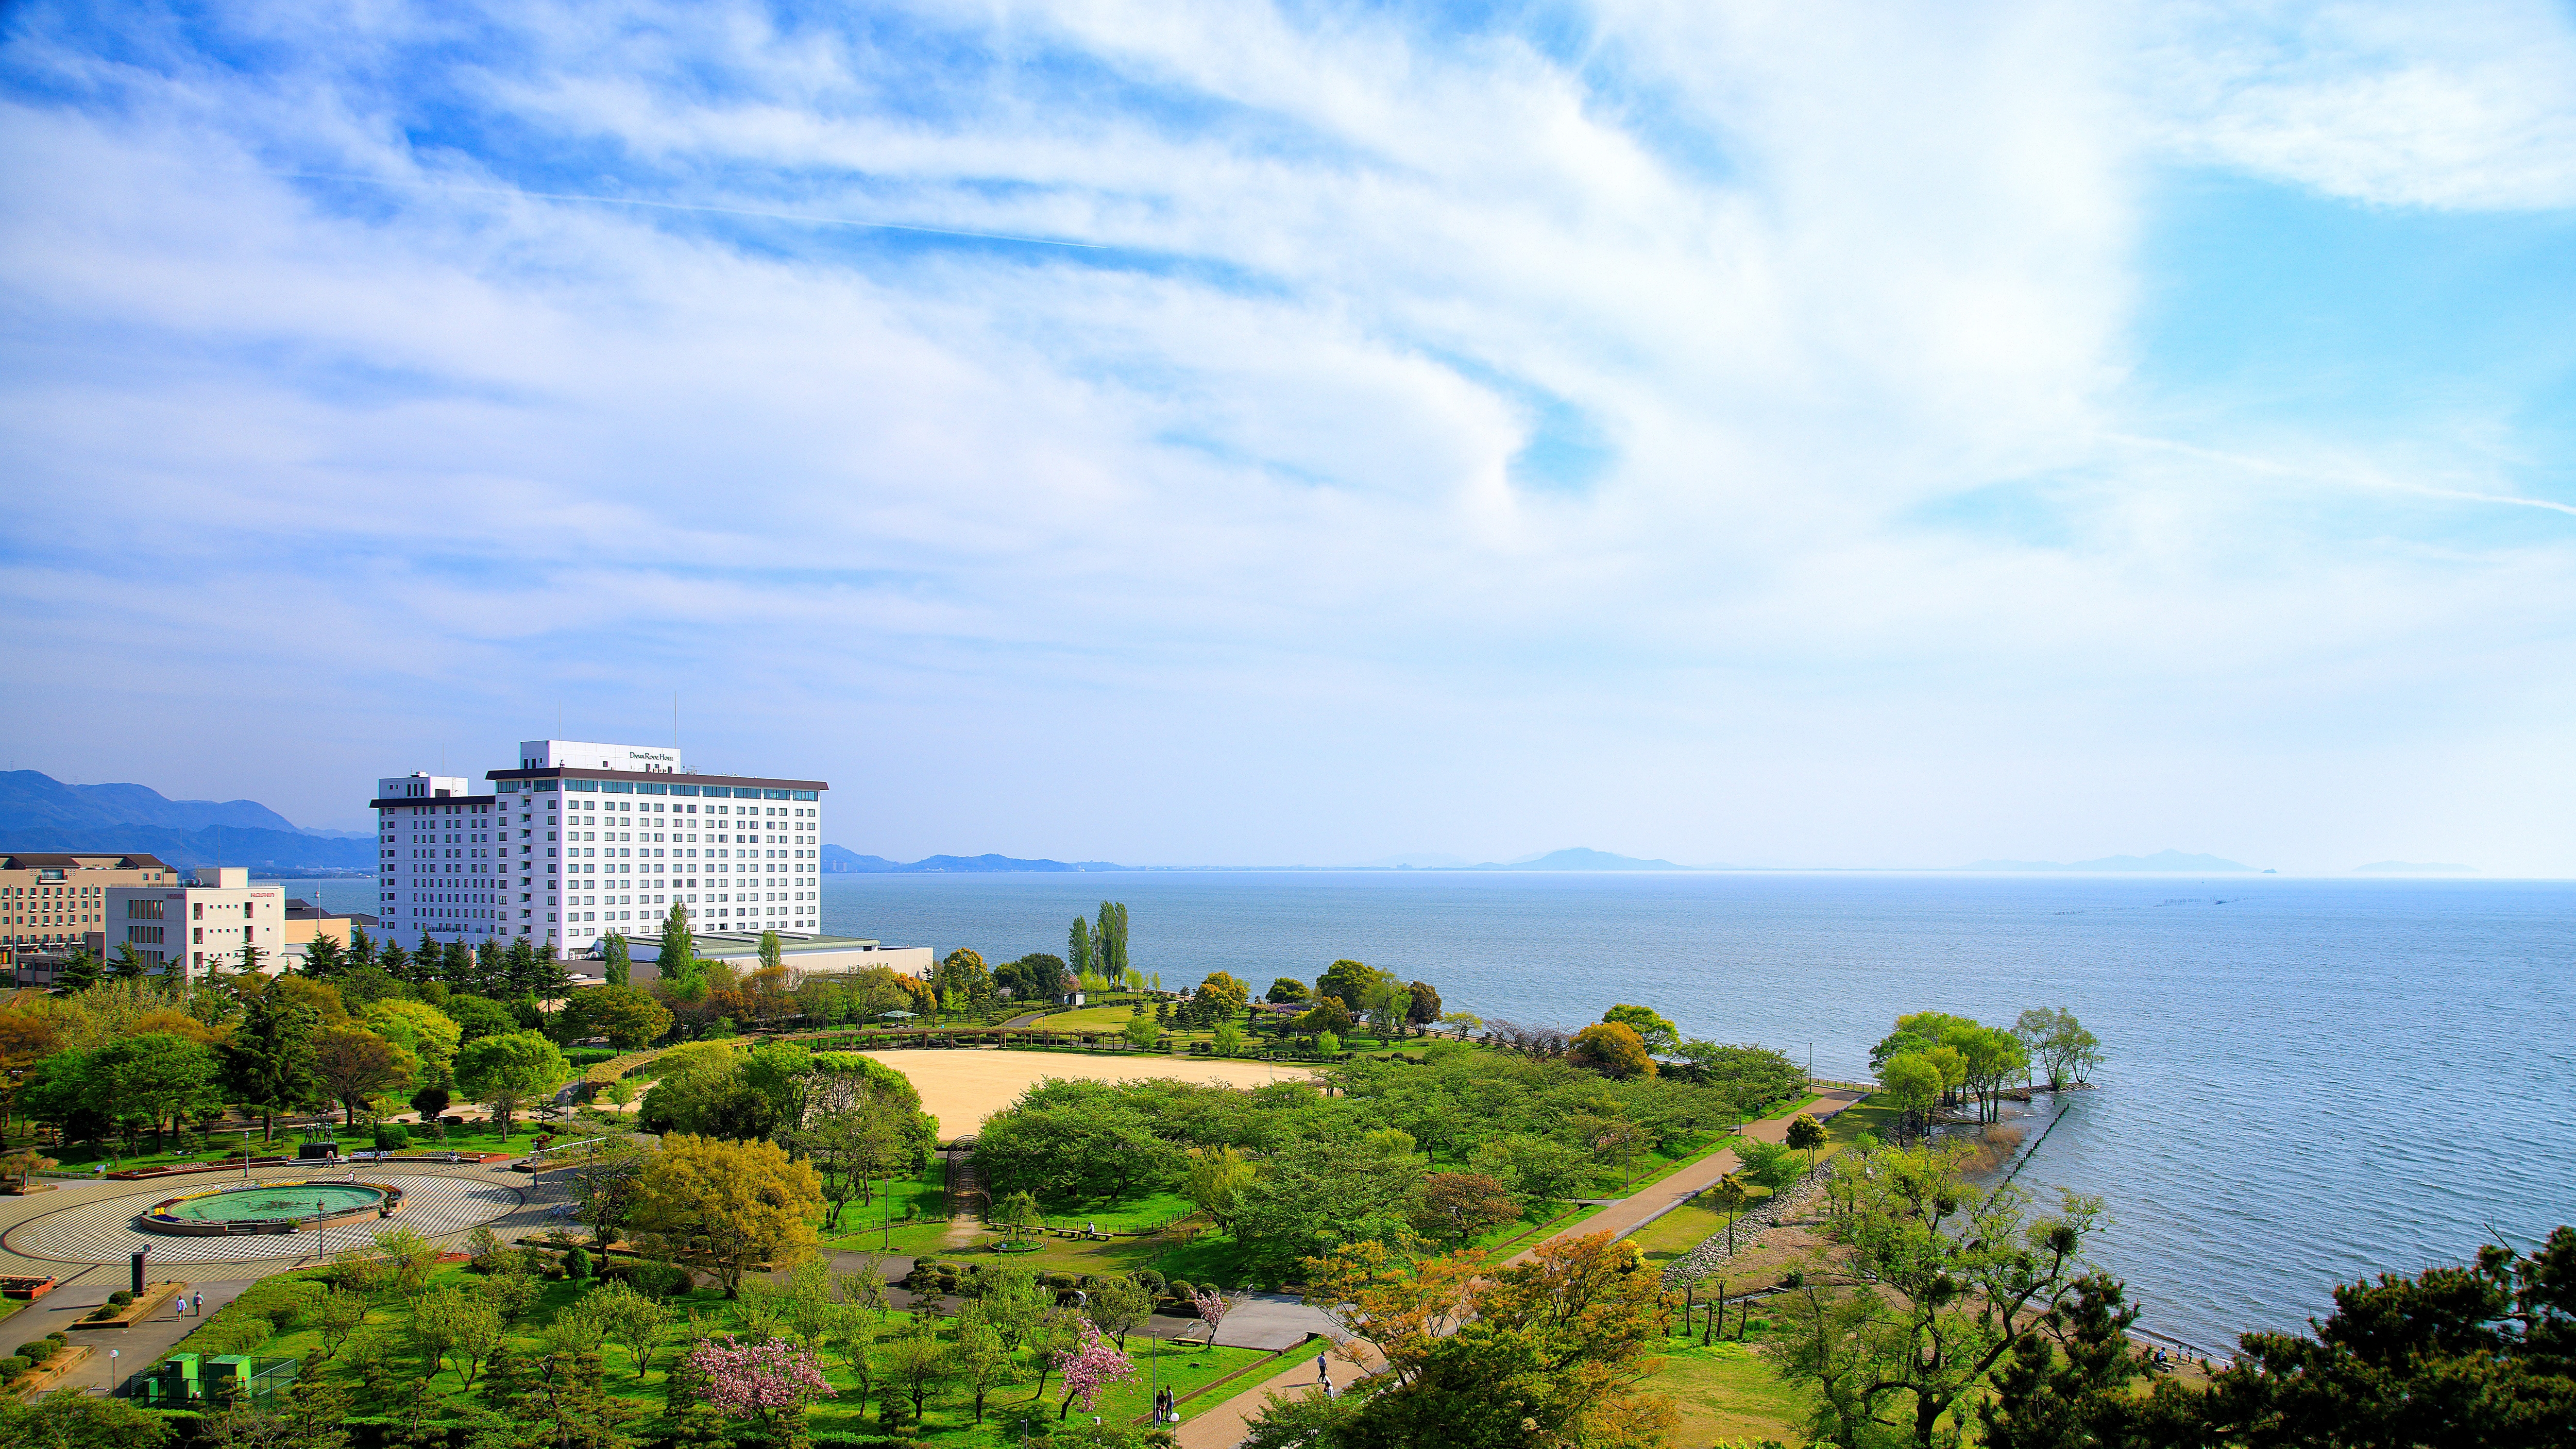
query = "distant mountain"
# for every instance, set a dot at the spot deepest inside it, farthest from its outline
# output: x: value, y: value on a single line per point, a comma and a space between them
x: 41, y: 813
x: 2162, y: 860
x: 1580, y: 858
x: 2408, y: 867
x: 33, y: 799
x: 841, y: 860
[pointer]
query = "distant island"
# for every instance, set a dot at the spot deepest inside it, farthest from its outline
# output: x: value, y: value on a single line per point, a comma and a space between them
x: 2162, y: 860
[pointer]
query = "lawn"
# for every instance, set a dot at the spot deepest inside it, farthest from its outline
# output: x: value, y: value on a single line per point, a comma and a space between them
x: 948, y: 1419
x: 1728, y: 1393
x: 474, y: 1135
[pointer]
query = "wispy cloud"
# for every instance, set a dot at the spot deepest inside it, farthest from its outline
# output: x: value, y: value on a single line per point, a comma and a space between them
x: 1178, y: 432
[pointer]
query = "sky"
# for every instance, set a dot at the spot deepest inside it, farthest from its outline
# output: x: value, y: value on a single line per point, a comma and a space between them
x: 1764, y: 433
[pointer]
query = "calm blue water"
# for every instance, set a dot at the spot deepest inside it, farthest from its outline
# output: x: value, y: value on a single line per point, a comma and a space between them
x: 2308, y: 1080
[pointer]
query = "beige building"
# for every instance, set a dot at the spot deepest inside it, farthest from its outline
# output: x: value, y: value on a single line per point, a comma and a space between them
x: 201, y: 926
x: 802, y: 955
x: 55, y: 902
x: 306, y: 921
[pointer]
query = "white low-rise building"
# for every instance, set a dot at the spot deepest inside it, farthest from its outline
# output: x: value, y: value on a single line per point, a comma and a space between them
x: 203, y: 925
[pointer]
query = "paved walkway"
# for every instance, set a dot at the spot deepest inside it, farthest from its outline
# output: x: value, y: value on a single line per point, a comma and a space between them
x: 1223, y: 1426
x: 86, y: 1220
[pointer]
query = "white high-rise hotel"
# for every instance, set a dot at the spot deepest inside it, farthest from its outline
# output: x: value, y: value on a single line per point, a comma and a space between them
x: 581, y: 840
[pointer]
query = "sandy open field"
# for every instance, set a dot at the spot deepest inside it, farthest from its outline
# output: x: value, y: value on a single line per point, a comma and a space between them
x: 961, y: 1088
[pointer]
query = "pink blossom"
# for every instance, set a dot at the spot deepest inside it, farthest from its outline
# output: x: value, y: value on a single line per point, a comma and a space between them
x: 757, y: 1378
x: 1212, y: 1307
x: 1093, y: 1366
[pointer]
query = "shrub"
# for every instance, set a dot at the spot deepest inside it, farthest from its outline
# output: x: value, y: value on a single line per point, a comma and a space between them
x: 577, y: 1263
x: 660, y: 1279
x: 1149, y: 1280
x: 13, y: 1366
x: 119, y: 1298
x: 1060, y: 1282
x: 1180, y: 1288
x: 392, y: 1137
x: 38, y: 1351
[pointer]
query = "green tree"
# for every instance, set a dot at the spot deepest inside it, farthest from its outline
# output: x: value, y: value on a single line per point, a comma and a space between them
x: 1422, y: 1005
x: 268, y: 1060
x: 506, y: 1072
x: 962, y: 971
x: 1218, y: 1178
x: 617, y: 967
x: 1286, y: 991
x: 155, y: 1078
x: 1109, y: 941
x: 1913, y: 1086
x: 1144, y: 1033
x: 1327, y: 1015
x: 1225, y: 993
x: 628, y: 1016
x: 78, y: 973
x: 1452, y: 1208
x: 1948, y: 1278
x: 1348, y: 982
x: 477, y: 1017
x: 354, y: 1065
x: 1613, y: 1049
x: 1661, y: 1037
x: 677, y: 961
x: 323, y: 957
x: 917, y: 1363
x: 80, y: 1421
x: 728, y: 1204
x: 1806, y: 1134
x: 128, y: 963
x: 2476, y: 1356
x: 1016, y: 1218
x: 1078, y: 953
x: 981, y: 1360
x: 1034, y: 977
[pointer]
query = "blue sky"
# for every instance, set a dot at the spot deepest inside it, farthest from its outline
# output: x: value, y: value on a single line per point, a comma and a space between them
x: 1851, y: 435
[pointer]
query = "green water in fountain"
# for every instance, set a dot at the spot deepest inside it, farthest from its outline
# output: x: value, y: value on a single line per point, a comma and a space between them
x: 283, y: 1200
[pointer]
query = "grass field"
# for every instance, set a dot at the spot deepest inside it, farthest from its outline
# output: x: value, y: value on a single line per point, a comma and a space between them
x: 1728, y: 1393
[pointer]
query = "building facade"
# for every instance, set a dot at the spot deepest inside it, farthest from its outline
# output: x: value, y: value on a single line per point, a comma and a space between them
x: 56, y: 902
x: 581, y: 840
x: 208, y: 923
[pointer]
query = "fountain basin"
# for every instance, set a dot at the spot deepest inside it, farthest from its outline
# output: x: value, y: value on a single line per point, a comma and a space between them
x: 269, y: 1207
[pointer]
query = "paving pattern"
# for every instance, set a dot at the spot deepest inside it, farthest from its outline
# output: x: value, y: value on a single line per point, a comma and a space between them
x: 102, y: 1230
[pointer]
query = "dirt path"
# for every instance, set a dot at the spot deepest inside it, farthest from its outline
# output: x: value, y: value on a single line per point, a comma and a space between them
x: 1223, y: 1426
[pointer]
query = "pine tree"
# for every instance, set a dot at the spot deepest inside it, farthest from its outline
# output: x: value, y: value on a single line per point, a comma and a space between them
x: 489, y: 974
x: 268, y: 1060
x: 362, y: 947
x: 519, y: 967
x: 456, y: 967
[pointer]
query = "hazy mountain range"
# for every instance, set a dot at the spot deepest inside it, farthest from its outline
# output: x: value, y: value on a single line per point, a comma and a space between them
x: 41, y: 813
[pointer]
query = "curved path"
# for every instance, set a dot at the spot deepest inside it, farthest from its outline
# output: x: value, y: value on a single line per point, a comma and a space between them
x: 1223, y: 1426
x: 77, y: 1225
x: 101, y: 1230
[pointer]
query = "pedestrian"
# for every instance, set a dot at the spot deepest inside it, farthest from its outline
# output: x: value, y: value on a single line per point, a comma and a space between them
x: 200, y: 1310
x: 1324, y: 1375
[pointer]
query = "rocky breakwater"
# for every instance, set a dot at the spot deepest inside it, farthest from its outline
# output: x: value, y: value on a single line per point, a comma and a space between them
x: 1711, y: 1255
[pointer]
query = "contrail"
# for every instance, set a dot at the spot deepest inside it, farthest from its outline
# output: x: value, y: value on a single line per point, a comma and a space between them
x: 2283, y: 470
x: 1043, y: 241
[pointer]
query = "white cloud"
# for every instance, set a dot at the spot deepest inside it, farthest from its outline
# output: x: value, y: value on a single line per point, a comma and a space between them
x: 1211, y: 547
x: 2469, y: 105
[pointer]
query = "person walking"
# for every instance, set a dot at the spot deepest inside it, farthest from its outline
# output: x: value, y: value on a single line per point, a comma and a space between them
x: 1324, y: 1375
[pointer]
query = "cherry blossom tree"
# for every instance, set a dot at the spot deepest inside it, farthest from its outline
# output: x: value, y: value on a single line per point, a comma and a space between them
x: 1093, y: 1364
x: 760, y: 1381
x: 1212, y: 1307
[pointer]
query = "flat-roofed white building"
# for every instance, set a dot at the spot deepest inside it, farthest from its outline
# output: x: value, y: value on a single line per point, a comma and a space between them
x: 203, y: 925
x: 581, y: 839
